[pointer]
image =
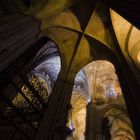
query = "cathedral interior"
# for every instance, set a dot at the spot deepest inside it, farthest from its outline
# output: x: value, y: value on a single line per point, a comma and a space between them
x: 69, y: 69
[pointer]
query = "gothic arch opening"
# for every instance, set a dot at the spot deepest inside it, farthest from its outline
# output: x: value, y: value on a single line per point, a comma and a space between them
x: 27, y: 93
x: 97, y: 83
x: 46, y: 66
x: 105, y: 93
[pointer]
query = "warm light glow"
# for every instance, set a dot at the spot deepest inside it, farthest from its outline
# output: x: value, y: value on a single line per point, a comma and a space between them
x: 138, y: 56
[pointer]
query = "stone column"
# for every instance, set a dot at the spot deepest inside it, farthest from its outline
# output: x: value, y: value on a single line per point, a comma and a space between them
x: 18, y: 33
x: 130, y: 89
x: 56, y: 116
x: 90, y: 133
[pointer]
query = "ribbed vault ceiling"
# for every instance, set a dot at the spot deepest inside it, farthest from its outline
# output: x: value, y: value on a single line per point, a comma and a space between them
x: 82, y: 30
